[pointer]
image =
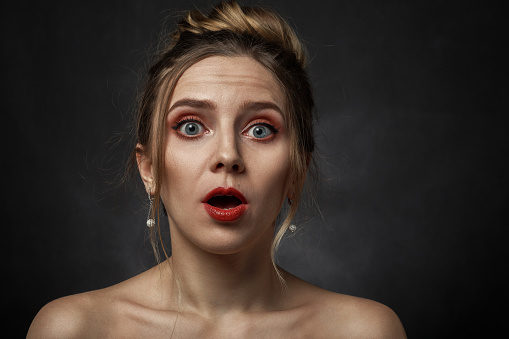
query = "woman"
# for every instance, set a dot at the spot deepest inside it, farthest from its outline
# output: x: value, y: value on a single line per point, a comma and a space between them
x: 224, y: 140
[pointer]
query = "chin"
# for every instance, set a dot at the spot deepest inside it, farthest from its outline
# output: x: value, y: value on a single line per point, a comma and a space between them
x: 226, y: 239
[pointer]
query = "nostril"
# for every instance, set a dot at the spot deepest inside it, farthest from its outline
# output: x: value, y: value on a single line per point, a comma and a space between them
x: 235, y: 167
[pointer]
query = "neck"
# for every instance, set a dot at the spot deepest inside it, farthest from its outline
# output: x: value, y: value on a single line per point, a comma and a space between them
x: 220, y: 283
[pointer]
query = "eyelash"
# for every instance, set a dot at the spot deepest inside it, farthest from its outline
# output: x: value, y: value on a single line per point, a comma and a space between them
x: 179, y: 123
x: 273, y: 129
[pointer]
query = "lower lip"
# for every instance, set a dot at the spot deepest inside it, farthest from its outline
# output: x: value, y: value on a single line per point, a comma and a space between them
x: 220, y: 214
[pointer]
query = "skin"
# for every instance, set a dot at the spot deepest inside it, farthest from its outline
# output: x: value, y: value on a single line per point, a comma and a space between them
x: 219, y: 282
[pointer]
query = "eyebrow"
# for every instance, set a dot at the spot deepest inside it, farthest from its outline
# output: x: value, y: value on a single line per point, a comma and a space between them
x: 194, y: 103
x: 206, y: 104
x: 261, y: 105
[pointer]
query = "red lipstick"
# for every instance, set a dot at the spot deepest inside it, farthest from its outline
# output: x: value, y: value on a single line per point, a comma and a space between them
x: 225, y: 204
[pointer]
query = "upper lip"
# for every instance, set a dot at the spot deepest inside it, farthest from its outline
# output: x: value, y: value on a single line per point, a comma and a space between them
x: 219, y: 191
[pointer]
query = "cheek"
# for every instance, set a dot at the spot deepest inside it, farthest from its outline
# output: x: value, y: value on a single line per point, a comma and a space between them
x: 179, y: 163
x: 278, y: 171
x: 274, y: 176
x: 182, y: 172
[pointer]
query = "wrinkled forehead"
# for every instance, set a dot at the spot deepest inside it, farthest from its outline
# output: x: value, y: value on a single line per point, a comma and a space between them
x: 220, y: 78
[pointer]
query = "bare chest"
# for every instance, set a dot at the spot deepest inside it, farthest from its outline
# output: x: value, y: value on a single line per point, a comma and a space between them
x: 253, y: 326
x: 180, y: 325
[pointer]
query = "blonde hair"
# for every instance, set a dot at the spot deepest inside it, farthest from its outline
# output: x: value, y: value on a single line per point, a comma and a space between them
x: 229, y: 30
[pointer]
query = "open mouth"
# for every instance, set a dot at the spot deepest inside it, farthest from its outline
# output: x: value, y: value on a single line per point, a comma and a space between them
x: 225, y: 204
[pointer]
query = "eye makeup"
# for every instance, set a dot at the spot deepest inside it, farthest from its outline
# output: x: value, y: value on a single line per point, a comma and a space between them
x: 192, y: 127
x: 260, y: 130
x: 189, y: 127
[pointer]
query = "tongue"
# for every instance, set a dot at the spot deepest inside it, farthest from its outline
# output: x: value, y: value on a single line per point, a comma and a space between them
x: 224, y: 202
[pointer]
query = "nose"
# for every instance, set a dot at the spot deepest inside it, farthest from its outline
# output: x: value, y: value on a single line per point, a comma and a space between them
x: 227, y: 157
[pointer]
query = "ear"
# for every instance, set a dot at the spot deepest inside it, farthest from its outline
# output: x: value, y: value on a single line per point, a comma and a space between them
x: 290, y: 192
x: 298, y: 183
x: 144, y: 166
x: 308, y: 160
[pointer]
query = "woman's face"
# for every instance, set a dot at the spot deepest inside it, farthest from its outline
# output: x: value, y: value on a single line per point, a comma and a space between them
x: 227, y: 155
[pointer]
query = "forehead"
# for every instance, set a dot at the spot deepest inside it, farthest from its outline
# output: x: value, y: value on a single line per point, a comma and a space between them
x: 229, y: 78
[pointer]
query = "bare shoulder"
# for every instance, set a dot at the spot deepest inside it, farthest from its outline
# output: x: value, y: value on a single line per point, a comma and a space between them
x: 363, y: 318
x: 338, y: 315
x: 62, y: 318
x: 91, y: 314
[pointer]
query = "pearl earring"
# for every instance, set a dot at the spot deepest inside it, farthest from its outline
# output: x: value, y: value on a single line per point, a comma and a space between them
x: 150, y: 221
x: 292, y: 227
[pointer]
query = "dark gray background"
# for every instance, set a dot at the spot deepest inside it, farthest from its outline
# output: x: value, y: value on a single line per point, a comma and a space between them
x: 412, y: 134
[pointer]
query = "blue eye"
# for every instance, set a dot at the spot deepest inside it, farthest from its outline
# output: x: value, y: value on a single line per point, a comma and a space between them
x: 259, y: 131
x: 191, y: 128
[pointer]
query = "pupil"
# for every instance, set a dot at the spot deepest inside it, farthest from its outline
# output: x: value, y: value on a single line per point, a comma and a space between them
x: 259, y: 131
x: 191, y: 128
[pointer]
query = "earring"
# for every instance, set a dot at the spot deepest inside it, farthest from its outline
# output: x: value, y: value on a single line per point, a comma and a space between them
x: 292, y: 227
x: 150, y: 221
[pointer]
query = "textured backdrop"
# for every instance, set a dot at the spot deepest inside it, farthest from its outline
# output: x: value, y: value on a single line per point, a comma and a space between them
x: 412, y: 137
